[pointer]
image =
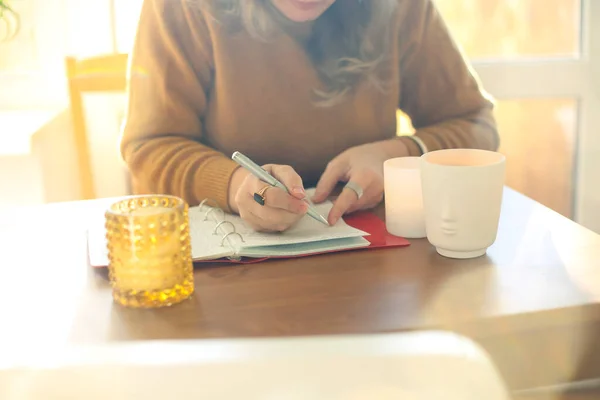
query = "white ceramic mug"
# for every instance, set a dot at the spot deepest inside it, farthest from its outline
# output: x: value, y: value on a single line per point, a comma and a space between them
x: 404, y: 214
x: 462, y: 196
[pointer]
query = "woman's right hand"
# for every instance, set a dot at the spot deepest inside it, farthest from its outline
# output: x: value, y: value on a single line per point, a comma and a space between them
x: 280, y: 211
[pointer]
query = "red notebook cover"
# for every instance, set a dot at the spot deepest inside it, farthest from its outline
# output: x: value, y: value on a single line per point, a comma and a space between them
x: 363, y: 220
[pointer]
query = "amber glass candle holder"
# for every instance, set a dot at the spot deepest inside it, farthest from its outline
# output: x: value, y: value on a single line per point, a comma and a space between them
x: 149, y: 251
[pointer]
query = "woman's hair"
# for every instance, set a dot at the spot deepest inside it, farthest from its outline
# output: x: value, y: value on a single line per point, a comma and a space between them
x: 348, y: 43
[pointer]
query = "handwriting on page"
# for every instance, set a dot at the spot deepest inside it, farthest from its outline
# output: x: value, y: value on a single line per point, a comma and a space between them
x: 205, y: 219
x: 306, y: 230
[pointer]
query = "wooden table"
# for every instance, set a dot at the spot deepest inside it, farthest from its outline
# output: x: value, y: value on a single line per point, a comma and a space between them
x: 533, y: 302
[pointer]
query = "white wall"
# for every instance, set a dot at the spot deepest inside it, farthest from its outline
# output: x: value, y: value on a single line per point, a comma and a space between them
x: 40, y: 166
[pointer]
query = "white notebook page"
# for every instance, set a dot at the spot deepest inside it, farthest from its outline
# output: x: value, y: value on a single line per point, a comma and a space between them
x: 306, y: 230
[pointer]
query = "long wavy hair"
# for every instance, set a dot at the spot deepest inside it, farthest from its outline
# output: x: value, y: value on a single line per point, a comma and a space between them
x: 348, y: 43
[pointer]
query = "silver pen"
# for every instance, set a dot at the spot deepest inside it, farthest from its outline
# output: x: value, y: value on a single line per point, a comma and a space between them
x: 264, y: 176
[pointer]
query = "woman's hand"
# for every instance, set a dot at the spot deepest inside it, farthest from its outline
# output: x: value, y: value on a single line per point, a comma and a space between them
x: 280, y: 211
x: 363, y: 166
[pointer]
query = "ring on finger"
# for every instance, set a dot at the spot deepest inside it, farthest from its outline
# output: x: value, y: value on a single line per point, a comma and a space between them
x: 259, y: 196
x: 355, y: 187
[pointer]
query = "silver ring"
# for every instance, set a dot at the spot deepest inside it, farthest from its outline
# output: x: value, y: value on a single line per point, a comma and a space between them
x: 355, y: 188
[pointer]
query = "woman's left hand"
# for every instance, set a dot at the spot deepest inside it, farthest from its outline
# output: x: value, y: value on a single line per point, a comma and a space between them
x: 363, y: 167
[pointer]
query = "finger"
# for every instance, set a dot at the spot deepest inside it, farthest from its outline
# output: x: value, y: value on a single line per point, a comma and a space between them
x: 371, y: 198
x: 264, y: 218
x: 348, y: 199
x: 334, y: 173
x: 290, y: 178
x: 344, y: 201
x: 253, y: 221
x: 278, y: 198
x: 274, y: 219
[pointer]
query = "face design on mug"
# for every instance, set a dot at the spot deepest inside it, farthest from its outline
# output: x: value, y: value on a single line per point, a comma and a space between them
x: 448, y: 220
x: 460, y: 222
x: 454, y: 218
x: 462, y: 195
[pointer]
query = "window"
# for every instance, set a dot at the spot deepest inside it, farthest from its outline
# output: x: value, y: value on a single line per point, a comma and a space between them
x: 513, y: 29
x: 509, y: 41
x: 19, y: 53
x: 25, y: 65
x: 126, y: 16
x: 540, y: 59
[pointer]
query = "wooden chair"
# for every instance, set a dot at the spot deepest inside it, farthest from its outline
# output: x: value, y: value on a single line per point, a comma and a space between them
x: 91, y: 75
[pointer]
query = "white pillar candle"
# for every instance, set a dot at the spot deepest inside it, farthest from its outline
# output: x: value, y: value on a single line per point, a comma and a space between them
x: 404, y: 213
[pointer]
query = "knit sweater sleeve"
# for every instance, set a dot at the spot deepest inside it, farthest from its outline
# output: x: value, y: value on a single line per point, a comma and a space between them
x: 170, y: 74
x: 439, y: 91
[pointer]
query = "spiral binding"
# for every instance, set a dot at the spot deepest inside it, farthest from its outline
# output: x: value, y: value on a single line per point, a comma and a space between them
x: 212, y: 212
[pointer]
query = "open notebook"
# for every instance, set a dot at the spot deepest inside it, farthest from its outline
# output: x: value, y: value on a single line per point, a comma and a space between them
x: 216, y: 235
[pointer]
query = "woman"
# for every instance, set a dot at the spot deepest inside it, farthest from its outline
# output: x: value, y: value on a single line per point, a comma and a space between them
x: 309, y: 87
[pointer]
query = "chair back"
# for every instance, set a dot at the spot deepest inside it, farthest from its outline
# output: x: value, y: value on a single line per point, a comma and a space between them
x: 106, y: 73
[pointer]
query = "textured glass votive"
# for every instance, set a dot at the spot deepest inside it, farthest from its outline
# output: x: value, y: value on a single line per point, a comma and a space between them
x: 149, y: 251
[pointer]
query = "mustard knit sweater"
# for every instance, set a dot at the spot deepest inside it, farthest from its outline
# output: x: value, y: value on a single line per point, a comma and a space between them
x: 197, y: 93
